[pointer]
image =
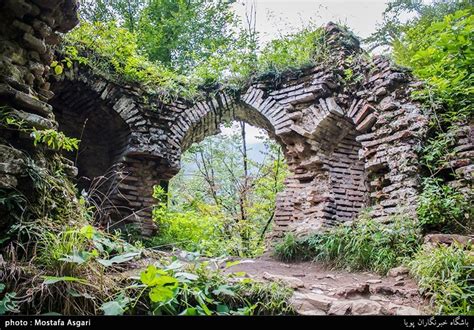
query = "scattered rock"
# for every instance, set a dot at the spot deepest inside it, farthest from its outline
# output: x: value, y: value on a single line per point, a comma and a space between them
x: 292, y: 282
x: 317, y: 291
x: 398, y: 271
x: 448, y: 239
x: 312, y: 312
x: 404, y: 310
x: 366, y: 307
x: 410, y: 293
x: 317, y: 301
x: 373, y: 281
x: 361, y: 289
x: 321, y: 286
x: 303, y: 306
x: 395, y: 309
x: 384, y: 290
x: 378, y: 298
x: 340, y: 308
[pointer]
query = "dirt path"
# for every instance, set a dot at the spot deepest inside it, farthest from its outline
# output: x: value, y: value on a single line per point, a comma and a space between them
x: 322, y: 291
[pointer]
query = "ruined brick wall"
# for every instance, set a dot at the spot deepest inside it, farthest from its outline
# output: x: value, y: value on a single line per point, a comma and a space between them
x: 350, y: 142
x: 28, y: 31
x: 462, y: 162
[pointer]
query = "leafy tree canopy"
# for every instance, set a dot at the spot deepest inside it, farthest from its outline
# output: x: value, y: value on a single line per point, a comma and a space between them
x: 177, y: 33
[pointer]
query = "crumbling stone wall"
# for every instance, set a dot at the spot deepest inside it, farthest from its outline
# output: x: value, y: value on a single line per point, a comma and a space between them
x: 351, y: 141
x: 349, y: 145
x: 28, y: 32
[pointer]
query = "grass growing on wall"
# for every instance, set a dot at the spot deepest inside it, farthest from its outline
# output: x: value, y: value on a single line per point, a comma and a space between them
x: 114, y: 51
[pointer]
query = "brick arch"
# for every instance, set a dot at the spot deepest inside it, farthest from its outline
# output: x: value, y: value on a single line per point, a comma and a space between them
x: 203, y: 118
x: 349, y: 145
x: 343, y: 145
x: 116, y: 151
x: 328, y: 183
x: 349, y: 142
x: 104, y: 135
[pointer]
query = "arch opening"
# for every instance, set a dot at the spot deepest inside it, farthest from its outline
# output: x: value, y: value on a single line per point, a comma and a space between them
x: 104, y: 136
x: 210, y: 123
x: 225, y: 190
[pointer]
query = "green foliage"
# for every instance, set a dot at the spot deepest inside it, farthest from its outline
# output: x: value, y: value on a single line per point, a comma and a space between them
x: 215, y: 207
x: 442, y: 207
x: 294, y: 51
x: 54, y: 139
x: 204, y: 230
x: 175, y: 47
x: 126, y: 11
x: 117, y: 306
x: 447, y: 275
x: 197, y: 290
x: 182, y: 34
x: 290, y: 248
x: 8, y: 303
x: 9, y: 120
x: 438, y: 151
x: 192, y: 231
x: 441, y: 53
x: 114, y: 50
x: 366, y: 244
x: 59, y: 66
x: 179, y: 34
x: 401, y: 15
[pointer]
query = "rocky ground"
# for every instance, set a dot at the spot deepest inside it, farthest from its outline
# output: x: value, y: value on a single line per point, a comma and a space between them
x: 322, y: 291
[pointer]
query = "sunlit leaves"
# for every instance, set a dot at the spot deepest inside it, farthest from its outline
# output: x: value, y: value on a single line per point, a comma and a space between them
x: 441, y: 53
x: 294, y: 51
x: 88, y: 231
x: 163, y: 287
x: 118, y: 259
x: 54, y: 139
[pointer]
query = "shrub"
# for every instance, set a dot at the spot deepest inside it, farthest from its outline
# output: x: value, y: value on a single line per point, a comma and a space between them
x: 204, y: 229
x: 291, y: 248
x: 196, y: 290
x: 366, y: 244
x: 114, y: 51
x: 442, y: 207
x: 447, y: 275
x: 440, y: 52
x: 294, y: 51
x: 191, y: 231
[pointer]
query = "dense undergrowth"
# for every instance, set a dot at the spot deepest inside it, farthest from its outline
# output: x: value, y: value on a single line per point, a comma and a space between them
x: 364, y: 244
x: 57, y: 262
x: 446, y: 275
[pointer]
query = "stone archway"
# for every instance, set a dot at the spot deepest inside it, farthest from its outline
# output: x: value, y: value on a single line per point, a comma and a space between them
x: 328, y: 183
x: 104, y: 135
x: 349, y: 144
